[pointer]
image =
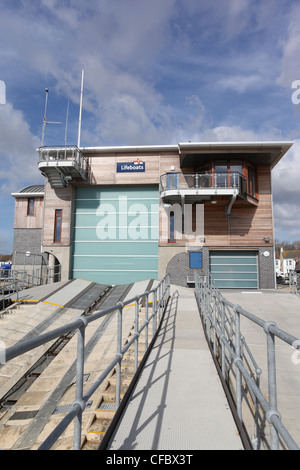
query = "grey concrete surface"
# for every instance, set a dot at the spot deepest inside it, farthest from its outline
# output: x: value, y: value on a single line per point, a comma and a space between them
x: 179, y: 402
x: 282, y: 307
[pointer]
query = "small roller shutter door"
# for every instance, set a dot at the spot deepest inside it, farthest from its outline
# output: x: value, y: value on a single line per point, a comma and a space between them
x: 234, y: 269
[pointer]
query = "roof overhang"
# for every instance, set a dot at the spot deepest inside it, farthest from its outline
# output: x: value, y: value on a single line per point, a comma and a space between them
x: 27, y: 195
x: 258, y: 153
x: 193, y: 153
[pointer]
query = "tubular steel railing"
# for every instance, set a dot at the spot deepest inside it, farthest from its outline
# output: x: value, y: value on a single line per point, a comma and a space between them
x: 158, y: 296
x: 221, y: 320
x: 67, y: 153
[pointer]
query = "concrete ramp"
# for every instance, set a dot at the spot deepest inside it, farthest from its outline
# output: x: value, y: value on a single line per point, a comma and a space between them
x: 178, y: 402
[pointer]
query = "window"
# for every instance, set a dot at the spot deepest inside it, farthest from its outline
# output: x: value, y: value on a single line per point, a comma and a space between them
x: 221, y: 175
x: 172, y: 180
x: 251, y: 182
x: 235, y: 173
x: 30, y: 206
x: 57, y: 225
x: 172, y: 227
x: 236, y: 170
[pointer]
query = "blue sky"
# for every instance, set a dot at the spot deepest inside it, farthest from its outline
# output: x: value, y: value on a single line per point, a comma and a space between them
x: 155, y: 72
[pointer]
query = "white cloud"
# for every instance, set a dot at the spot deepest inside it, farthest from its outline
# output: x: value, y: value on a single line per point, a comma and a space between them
x: 242, y: 83
x: 290, y: 65
x: 2, y: 92
x: 286, y: 195
x: 17, y: 151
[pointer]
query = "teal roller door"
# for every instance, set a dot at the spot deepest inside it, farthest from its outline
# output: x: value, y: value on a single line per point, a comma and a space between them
x: 234, y: 269
x: 115, y: 239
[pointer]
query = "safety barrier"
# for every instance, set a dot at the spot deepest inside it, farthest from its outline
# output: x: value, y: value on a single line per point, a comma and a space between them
x: 158, y: 296
x: 221, y: 320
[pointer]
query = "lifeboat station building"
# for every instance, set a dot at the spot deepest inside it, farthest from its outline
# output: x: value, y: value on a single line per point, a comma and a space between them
x: 117, y: 215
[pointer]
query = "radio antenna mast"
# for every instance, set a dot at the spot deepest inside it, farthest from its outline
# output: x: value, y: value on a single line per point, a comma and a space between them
x: 80, y: 110
x: 67, y: 118
x: 45, y: 119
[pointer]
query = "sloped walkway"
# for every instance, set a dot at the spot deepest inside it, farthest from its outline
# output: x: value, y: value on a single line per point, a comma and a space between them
x: 179, y: 401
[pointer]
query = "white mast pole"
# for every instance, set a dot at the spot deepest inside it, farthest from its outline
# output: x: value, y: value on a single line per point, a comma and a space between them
x: 80, y: 110
x: 44, y: 121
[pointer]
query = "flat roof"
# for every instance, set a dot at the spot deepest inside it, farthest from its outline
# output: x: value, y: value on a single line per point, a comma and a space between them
x: 259, y: 152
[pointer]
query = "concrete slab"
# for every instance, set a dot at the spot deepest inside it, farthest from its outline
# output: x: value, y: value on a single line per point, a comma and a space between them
x: 179, y: 402
x: 71, y: 290
x: 282, y: 307
x: 39, y: 292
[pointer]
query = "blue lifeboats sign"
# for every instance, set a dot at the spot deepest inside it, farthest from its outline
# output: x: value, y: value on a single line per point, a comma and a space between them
x: 131, y: 167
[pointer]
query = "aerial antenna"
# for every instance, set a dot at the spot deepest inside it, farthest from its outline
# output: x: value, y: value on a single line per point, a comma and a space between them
x: 80, y: 110
x: 67, y: 118
x: 45, y: 119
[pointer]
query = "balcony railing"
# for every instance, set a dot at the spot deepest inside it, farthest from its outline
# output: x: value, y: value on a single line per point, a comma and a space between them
x: 69, y: 156
x: 203, y: 181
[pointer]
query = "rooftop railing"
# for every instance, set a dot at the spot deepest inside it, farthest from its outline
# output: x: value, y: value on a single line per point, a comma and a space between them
x: 63, y: 154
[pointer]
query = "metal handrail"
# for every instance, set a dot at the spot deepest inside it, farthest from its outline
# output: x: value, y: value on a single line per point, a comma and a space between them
x: 224, y: 332
x: 160, y: 295
x: 202, y: 181
x: 63, y: 153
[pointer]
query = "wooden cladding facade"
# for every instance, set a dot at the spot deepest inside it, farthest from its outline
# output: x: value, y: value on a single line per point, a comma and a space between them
x: 248, y: 225
x: 28, y: 221
x: 250, y: 222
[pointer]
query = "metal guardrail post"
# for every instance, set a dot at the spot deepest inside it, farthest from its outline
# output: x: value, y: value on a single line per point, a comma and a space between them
x: 272, y: 385
x: 154, y: 307
x: 136, y: 342
x: 222, y: 338
x: 238, y: 358
x: 214, y: 319
x: 79, y: 385
x: 147, y: 320
x: 119, y: 355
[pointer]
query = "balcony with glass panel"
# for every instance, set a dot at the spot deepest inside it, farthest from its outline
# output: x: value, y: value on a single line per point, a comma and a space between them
x: 200, y: 187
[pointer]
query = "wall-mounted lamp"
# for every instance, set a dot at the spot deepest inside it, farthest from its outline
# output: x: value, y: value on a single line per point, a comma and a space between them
x: 267, y: 240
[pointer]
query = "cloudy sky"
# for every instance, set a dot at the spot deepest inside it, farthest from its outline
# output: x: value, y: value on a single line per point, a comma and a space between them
x: 155, y: 72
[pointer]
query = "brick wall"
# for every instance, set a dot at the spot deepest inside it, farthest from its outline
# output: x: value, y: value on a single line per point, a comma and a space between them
x: 179, y: 269
x: 27, y: 240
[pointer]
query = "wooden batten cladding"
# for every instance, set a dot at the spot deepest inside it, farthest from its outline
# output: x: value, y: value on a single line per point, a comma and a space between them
x: 57, y: 199
x: 25, y: 219
x: 103, y: 169
x: 250, y: 222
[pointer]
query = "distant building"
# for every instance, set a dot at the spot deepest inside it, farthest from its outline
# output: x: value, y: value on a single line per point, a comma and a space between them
x: 117, y: 215
x: 285, y: 261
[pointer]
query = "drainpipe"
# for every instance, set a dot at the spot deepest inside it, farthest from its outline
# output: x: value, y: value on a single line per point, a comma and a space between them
x: 229, y: 208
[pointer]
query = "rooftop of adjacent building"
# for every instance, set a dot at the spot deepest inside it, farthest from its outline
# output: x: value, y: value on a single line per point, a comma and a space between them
x: 30, y: 191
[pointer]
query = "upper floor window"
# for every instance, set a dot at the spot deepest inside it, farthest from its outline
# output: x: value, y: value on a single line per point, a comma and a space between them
x: 30, y: 206
x: 228, y: 173
x: 57, y: 225
x: 251, y: 181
